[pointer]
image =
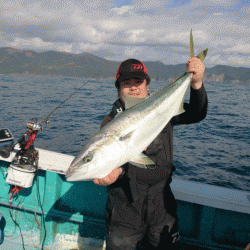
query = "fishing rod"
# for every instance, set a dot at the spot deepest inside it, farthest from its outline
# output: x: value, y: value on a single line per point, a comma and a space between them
x: 24, y: 165
x: 33, y: 128
x: 44, y: 119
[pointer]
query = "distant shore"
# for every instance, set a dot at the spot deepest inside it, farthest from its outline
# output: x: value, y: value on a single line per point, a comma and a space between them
x: 85, y: 65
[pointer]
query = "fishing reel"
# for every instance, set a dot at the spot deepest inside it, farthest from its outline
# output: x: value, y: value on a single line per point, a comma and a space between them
x: 24, y: 164
x: 35, y: 125
x: 23, y: 168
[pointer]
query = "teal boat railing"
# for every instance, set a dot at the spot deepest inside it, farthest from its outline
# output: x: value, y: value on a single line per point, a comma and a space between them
x: 63, y: 212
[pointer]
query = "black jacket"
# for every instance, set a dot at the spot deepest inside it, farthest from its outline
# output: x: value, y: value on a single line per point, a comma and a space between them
x: 161, y: 149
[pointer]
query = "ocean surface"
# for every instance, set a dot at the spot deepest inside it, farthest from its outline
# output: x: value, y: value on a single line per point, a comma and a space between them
x: 215, y: 151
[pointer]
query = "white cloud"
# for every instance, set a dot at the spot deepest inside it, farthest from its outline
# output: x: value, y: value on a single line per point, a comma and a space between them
x: 240, y: 48
x: 150, y: 4
x: 222, y: 2
x: 218, y: 14
x: 235, y: 61
x: 136, y: 35
x: 90, y: 46
x: 124, y: 9
x: 65, y: 48
x: 92, y: 30
x: 219, y: 4
x: 200, y: 37
x: 29, y: 13
x: 111, y: 25
x: 133, y: 51
x: 95, y: 24
x: 214, y: 59
x: 31, y: 43
x: 93, y: 34
x: 78, y: 17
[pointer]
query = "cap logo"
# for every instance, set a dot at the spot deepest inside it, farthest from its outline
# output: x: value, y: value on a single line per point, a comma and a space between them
x: 137, y: 66
x: 131, y: 67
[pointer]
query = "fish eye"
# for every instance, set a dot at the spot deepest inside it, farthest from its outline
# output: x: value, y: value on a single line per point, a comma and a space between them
x: 87, y: 158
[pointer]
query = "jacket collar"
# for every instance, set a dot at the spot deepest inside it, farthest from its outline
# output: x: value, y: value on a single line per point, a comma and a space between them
x: 118, y: 107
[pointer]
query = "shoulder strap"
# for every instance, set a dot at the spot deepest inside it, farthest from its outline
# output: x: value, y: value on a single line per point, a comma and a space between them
x: 118, y: 107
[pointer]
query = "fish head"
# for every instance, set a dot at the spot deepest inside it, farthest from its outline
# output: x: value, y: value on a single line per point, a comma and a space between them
x: 96, y: 160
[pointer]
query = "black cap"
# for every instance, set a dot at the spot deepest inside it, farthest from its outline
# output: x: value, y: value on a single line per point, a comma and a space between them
x: 131, y: 68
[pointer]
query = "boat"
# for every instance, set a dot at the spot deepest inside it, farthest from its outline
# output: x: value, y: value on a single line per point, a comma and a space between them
x: 55, y: 214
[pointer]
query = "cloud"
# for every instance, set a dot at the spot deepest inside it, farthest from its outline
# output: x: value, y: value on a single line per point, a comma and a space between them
x: 213, y: 4
x: 124, y: 9
x: 152, y: 30
x: 214, y: 59
x: 243, y: 61
x: 27, y: 12
x: 65, y: 48
x: 133, y: 51
x: 136, y: 35
x: 152, y: 4
x: 240, y: 48
x: 32, y: 43
x: 90, y: 46
x: 111, y: 25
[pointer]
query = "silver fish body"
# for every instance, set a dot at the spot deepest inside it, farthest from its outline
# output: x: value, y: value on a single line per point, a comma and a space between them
x: 125, y: 138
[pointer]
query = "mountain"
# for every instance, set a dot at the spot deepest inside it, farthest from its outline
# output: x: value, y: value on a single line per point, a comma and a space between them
x: 54, y: 63
x: 230, y: 73
x: 91, y: 66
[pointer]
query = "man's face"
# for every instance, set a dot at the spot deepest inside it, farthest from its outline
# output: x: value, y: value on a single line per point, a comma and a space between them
x: 134, y: 86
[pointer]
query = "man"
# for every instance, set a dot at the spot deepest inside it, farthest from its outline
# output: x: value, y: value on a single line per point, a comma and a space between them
x: 141, y: 209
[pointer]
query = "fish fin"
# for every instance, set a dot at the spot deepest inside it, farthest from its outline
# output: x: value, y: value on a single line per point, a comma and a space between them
x: 131, y: 101
x: 127, y: 136
x: 141, y: 161
x: 191, y: 45
x: 180, y: 109
x: 202, y: 55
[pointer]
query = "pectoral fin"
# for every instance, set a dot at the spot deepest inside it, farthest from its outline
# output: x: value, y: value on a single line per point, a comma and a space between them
x: 126, y: 136
x: 142, y: 161
x: 202, y: 55
x: 181, y: 109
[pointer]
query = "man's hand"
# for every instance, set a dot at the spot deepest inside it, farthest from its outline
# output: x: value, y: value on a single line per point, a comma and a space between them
x: 196, y: 66
x: 110, y: 178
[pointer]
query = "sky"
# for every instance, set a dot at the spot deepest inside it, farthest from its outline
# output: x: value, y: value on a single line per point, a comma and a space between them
x: 148, y: 30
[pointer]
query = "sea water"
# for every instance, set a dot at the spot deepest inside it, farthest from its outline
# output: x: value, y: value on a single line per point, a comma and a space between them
x: 214, y: 151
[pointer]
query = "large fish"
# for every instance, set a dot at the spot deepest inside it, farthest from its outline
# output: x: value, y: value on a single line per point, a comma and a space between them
x: 125, y: 138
